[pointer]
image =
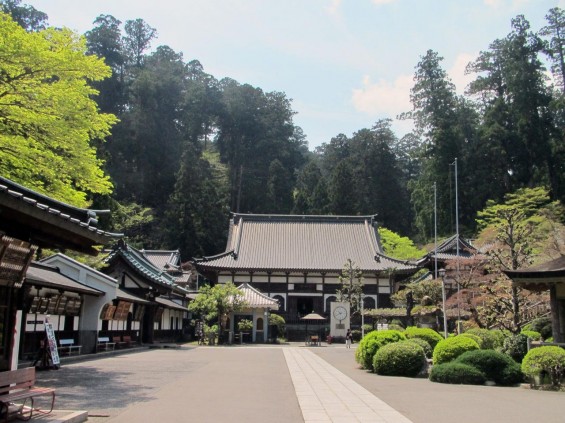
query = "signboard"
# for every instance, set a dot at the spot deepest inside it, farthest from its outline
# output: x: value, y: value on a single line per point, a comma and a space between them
x: 52, y: 344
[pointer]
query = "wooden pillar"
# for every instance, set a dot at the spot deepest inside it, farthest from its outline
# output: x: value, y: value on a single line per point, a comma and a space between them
x: 557, y: 315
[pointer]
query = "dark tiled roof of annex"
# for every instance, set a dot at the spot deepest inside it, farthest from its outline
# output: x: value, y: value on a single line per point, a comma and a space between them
x: 140, y: 263
x: 49, y: 222
x: 302, y: 243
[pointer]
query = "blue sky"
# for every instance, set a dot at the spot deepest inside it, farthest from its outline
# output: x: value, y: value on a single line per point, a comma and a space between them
x: 344, y: 63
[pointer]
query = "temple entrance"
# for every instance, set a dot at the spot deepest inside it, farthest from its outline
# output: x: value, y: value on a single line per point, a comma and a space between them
x: 304, y: 305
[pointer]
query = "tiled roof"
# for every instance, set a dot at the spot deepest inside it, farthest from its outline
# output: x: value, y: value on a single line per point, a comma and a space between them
x: 49, y: 222
x: 302, y: 243
x: 256, y: 299
x: 447, y: 250
x: 140, y: 263
x: 163, y: 259
x: 170, y: 304
x: 49, y: 276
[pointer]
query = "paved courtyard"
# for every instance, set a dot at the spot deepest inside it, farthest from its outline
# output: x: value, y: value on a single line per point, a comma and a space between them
x: 278, y: 384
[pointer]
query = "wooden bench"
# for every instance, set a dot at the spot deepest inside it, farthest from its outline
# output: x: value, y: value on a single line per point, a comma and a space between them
x: 104, y: 344
x: 118, y: 342
x: 17, y: 386
x: 314, y: 340
x: 67, y: 346
x: 128, y: 341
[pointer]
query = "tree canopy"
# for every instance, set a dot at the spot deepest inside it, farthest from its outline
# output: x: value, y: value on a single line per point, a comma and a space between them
x: 48, y: 116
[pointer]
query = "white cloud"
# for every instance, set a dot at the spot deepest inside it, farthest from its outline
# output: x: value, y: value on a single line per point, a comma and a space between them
x: 457, y: 71
x: 333, y: 8
x: 379, y: 2
x: 383, y: 97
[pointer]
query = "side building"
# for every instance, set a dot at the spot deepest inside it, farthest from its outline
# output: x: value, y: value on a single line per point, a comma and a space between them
x: 297, y: 260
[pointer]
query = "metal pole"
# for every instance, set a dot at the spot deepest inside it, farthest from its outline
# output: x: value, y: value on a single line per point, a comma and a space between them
x: 363, y: 315
x: 457, y: 233
x: 435, y: 231
x: 443, y: 299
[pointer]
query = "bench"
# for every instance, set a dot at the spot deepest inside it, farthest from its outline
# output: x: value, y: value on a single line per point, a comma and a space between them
x: 128, y: 341
x: 67, y: 346
x: 118, y: 342
x: 314, y: 340
x: 104, y: 344
x: 17, y: 386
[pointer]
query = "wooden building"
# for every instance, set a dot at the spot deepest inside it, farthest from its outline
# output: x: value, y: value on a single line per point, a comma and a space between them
x: 546, y: 277
x: 28, y: 221
x: 297, y: 260
x: 165, y: 316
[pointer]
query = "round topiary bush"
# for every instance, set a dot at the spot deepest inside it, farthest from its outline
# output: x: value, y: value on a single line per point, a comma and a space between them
x: 424, y: 344
x: 532, y: 334
x: 490, y: 339
x: 427, y: 334
x: 516, y: 346
x: 457, y: 373
x: 372, y: 342
x: 543, y: 326
x: 449, y: 349
x: 495, y: 365
x: 549, y: 360
x: 403, y: 358
x: 475, y: 338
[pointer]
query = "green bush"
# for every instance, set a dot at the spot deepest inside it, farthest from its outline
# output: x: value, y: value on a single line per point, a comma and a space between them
x: 457, y: 373
x: 368, y: 328
x: 543, y: 326
x: 490, y: 339
x: 372, y: 342
x: 533, y: 335
x: 405, y: 358
x: 495, y: 365
x: 549, y: 360
x: 392, y: 326
x: 397, y: 322
x: 356, y: 335
x: 427, y: 334
x: 516, y: 346
x: 475, y: 338
x: 451, y: 348
x: 279, y: 322
x: 424, y: 344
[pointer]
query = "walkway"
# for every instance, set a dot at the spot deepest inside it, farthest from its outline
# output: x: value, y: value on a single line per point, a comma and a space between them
x: 327, y: 395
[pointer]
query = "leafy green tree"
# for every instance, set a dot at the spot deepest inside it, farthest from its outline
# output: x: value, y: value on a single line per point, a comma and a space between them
x: 555, y: 31
x: 515, y: 225
x: 48, y: 118
x: 216, y: 303
x: 28, y: 17
x: 341, y: 189
x: 279, y: 188
x: 350, y: 286
x: 399, y: 247
x: 137, y: 40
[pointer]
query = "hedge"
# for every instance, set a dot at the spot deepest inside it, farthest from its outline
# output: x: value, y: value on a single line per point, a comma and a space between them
x: 451, y: 348
x: 457, y: 373
x: 549, y: 360
x: 372, y: 342
x: 403, y: 358
x: 491, y: 339
x: 427, y: 334
x: 424, y: 344
x: 495, y: 365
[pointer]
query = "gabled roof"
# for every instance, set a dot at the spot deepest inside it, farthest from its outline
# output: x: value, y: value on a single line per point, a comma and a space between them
x: 447, y: 250
x: 256, y: 299
x: 139, y: 263
x: 551, y: 271
x: 41, y: 220
x: 50, y: 277
x: 163, y: 259
x: 302, y: 243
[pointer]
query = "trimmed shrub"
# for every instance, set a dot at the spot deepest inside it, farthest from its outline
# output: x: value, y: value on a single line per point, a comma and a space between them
x: 500, y: 337
x: 490, y: 339
x: 543, y: 326
x: 424, y: 344
x: 533, y: 335
x: 427, y: 334
x: 516, y: 346
x: 495, y: 365
x: 392, y: 326
x: 356, y: 335
x: 397, y: 322
x: 402, y: 358
x: 451, y: 348
x: 372, y: 342
x: 457, y: 373
x: 475, y: 338
x: 549, y: 360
